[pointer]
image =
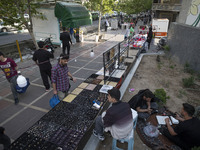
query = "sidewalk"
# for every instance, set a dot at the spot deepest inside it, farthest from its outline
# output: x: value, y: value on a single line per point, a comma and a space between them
x: 33, y: 104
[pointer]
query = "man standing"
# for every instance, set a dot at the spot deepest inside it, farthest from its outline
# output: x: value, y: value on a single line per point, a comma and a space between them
x: 118, y: 117
x: 106, y: 25
x: 186, y: 134
x: 42, y: 59
x: 60, y: 77
x: 65, y: 38
x: 9, y: 68
x: 149, y: 37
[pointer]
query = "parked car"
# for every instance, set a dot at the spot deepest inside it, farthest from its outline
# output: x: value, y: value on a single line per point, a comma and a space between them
x: 26, y: 16
x: 5, y: 28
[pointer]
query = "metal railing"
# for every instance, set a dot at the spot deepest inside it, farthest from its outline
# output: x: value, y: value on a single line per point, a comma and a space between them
x: 111, y: 58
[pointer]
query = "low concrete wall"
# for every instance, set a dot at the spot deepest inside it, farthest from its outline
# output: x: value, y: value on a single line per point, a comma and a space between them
x: 10, y: 50
x: 184, y: 42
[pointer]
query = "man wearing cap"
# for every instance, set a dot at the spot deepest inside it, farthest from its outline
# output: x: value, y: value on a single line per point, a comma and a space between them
x: 118, y: 117
x: 9, y: 68
x: 42, y: 59
x: 60, y: 77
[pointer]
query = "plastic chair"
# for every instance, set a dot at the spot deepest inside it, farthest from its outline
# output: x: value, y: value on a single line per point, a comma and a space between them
x: 130, y: 138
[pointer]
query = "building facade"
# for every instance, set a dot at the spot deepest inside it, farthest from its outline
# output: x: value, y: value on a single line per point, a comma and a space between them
x: 181, y: 11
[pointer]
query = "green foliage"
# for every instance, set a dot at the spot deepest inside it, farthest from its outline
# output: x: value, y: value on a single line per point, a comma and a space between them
x: 94, y: 16
x: 103, y: 6
x: 181, y: 94
x: 12, y: 12
x: 159, y: 64
x: 166, y: 48
x: 188, y: 69
x: 196, y: 148
x: 161, y: 94
x: 172, y: 66
x: 188, y: 82
x: 135, y: 6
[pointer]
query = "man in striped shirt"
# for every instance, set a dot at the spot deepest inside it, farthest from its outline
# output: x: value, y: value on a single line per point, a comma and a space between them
x: 60, y: 77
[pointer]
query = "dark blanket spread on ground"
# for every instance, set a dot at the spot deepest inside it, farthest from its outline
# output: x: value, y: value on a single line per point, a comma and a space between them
x: 156, y: 142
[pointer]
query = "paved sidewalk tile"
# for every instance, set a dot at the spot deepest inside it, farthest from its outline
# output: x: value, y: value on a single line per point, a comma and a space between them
x: 44, y: 101
x: 93, y: 65
x: 32, y: 93
x: 22, y: 122
x: 84, y: 73
x: 76, y: 84
x: 81, y: 69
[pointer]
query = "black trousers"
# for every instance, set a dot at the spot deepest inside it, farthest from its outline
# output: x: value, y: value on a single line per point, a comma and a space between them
x: 176, y: 140
x: 45, y: 73
x: 106, y: 28
x: 149, y: 42
x: 66, y: 46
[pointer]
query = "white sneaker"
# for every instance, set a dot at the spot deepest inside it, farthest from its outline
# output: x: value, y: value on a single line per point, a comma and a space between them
x: 100, y: 137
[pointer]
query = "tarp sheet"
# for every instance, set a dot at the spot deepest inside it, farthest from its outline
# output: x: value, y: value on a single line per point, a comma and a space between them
x: 72, y: 15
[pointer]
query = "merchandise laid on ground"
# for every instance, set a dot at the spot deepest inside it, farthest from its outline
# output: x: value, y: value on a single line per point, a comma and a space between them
x: 138, y: 40
x: 68, y: 124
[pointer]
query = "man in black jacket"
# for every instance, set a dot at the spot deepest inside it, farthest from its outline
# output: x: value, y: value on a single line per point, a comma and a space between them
x: 144, y: 103
x: 149, y: 37
x: 65, y: 38
x: 42, y: 59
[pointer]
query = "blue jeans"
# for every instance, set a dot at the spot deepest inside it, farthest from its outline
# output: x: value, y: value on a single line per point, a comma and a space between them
x: 13, y: 83
x: 99, y: 126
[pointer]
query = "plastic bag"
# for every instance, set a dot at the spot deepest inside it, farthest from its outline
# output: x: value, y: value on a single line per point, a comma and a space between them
x: 54, y: 101
x: 23, y: 89
x: 151, y: 130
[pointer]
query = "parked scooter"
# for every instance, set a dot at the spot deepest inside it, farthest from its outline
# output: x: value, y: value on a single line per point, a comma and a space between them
x: 162, y: 42
x: 48, y: 44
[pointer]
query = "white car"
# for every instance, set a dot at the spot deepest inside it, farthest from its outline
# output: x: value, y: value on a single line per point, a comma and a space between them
x: 26, y: 16
x: 4, y: 28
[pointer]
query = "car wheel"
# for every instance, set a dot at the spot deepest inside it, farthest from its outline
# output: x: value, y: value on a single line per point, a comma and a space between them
x: 4, y: 30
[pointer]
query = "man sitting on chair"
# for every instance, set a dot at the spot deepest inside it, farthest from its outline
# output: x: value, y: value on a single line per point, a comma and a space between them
x: 118, y: 118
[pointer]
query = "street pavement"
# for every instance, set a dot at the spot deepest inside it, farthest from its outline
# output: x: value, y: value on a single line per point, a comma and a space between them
x: 33, y: 104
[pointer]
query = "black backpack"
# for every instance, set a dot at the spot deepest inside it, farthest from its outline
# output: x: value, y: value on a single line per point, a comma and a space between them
x: 134, y: 100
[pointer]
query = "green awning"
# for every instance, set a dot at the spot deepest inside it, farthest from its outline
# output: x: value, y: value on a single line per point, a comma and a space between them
x: 72, y: 14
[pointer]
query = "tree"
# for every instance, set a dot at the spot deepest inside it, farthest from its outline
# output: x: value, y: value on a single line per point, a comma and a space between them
x: 12, y: 12
x: 103, y: 6
x: 134, y: 6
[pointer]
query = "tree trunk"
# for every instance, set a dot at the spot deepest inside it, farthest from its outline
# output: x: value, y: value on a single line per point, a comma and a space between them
x: 34, y: 41
x: 32, y: 36
x: 99, y: 27
x: 30, y: 28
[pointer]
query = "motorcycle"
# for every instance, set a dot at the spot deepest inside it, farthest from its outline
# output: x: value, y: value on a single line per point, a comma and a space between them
x: 162, y: 42
x: 48, y: 44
